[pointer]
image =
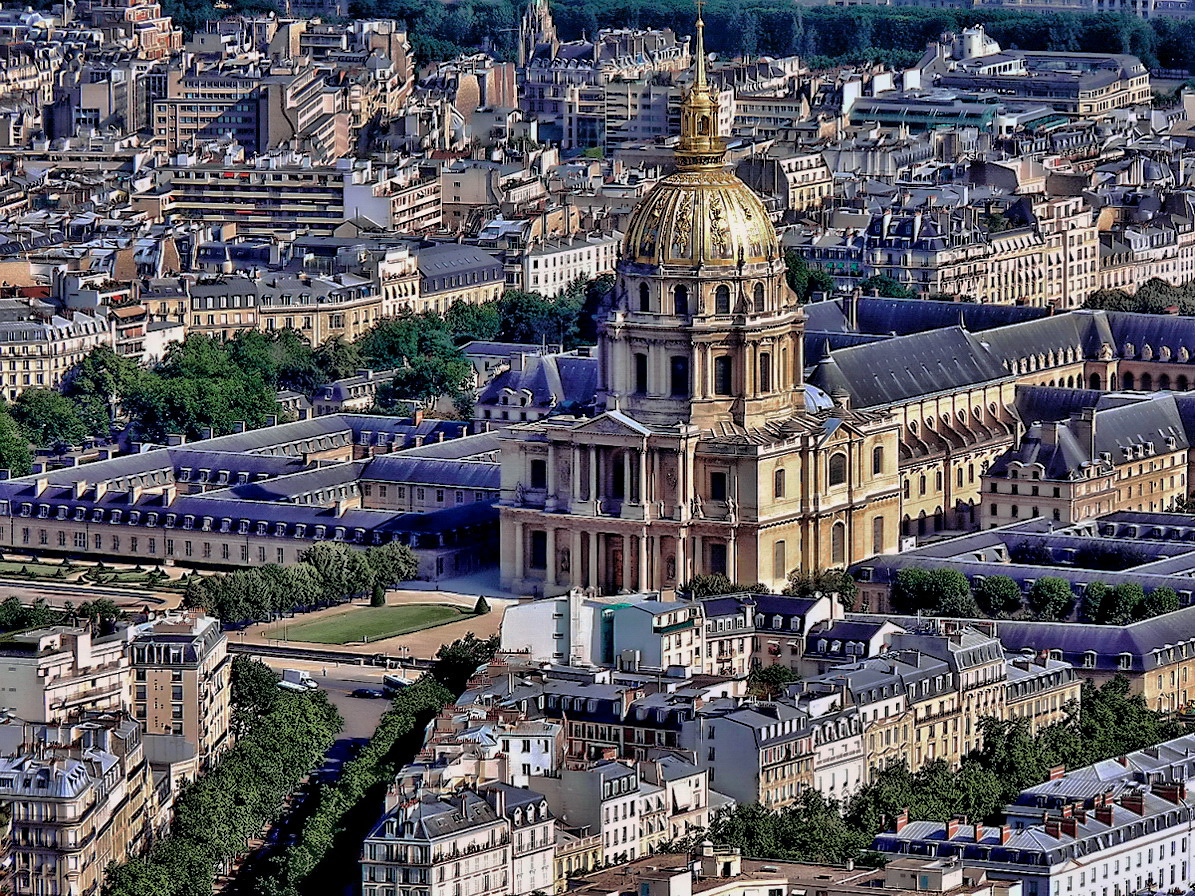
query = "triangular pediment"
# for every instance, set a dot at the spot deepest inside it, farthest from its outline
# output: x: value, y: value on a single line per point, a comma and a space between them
x: 613, y: 423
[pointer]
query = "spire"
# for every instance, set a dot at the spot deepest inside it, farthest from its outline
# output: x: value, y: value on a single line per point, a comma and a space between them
x: 700, y: 146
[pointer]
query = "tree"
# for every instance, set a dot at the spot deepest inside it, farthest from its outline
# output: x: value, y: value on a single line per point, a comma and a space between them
x: 1158, y: 602
x: 1123, y: 604
x: 337, y: 359
x: 714, y: 583
x: 943, y: 592
x: 468, y: 321
x: 378, y: 597
x: 1050, y: 599
x: 98, y: 384
x: 826, y: 581
x: 1095, y: 603
x: 998, y: 596
x: 456, y: 663
x: 481, y: 607
x: 15, y: 455
x: 886, y: 286
x: 102, y: 614
x: 48, y: 419
x: 253, y: 691
x: 771, y: 681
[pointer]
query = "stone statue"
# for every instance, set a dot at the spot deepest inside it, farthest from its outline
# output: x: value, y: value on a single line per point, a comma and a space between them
x: 520, y: 493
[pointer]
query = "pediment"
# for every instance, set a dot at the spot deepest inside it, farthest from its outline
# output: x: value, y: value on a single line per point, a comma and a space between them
x: 613, y: 423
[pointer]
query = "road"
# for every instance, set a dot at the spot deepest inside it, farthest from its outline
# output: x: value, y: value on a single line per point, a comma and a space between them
x: 338, y: 681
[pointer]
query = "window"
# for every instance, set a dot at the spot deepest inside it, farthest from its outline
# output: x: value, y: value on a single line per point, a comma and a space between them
x: 539, y: 550
x: 757, y: 296
x: 680, y: 300
x: 722, y: 299
x: 717, y: 486
x: 778, y: 484
x: 644, y: 298
x: 765, y: 372
x: 877, y: 535
x: 718, y: 558
x: 539, y: 474
x: 640, y: 374
x: 722, y: 377
x: 838, y: 543
x: 837, y: 468
x: 678, y: 377
x: 779, y: 561
x: 877, y: 461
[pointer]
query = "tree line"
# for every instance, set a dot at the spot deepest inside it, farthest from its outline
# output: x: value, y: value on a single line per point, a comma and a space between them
x: 947, y: 592
x: 216, y: 815
x: 208, y: 383
x: 327, y: 573
x: 1154, y: 296
x: 1108, y: 722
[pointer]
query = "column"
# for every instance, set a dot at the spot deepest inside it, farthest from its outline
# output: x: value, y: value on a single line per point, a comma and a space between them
x: 593, y: 474
x: 732, y: 560
x: 628, y: 581
x: 520, y: 549
x: 628, y: 478
x: 575, y: 578
x: 552, y: 501
x: 641, y: 459
x: 575, y: 478
x: 698, y: 556
x: 552, y: 559
x: 644, y: 583
x: 594, y: 574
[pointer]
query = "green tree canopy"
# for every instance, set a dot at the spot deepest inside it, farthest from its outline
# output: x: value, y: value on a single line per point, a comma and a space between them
x: 998, y: 596
x: 1050, y: 599
x: 49, y: 419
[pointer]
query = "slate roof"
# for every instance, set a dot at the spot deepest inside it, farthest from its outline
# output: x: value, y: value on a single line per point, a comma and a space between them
x: 558, y: 382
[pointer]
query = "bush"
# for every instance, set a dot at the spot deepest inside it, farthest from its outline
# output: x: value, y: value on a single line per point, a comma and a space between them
x: 481, y: 607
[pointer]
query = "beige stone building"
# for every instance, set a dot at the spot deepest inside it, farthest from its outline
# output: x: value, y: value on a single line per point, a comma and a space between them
x: 711, y: 454
x: 50, y: 675
x: 181, y: 681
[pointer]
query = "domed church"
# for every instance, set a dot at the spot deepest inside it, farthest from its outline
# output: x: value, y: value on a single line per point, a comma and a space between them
x: 712, y: 454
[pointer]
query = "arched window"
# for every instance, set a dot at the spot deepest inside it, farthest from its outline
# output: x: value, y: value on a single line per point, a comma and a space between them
x: 1095, y: 381
x: 765, y: 372
x: 1164, y: 382
x: 877, y: 535
x: 921, y: 489
x: 723, y: 384
x: 838, y: 544
x: 779, y: 561
x: 837, y: 468
x: 877, y: 460
x: 1129, y: 382
x: 722, y: 299
x: 1181, y: 383
x: 778, y: 484
x: 757, y: 296
x: 644, y: 298
x: 680, y: 299
x: 1147, y: 382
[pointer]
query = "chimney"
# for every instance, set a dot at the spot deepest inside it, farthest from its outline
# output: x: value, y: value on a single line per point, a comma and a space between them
x: 1134, y: 802
x: 1070, y: 827
x: 1103, y: 815
x: 1005, y: 833
x: 1171, y: 792
x: 1057, y: 772
x: 417, y: 417
x: 952, y: 827
x: 902, y: 820
x: 1053, y: 829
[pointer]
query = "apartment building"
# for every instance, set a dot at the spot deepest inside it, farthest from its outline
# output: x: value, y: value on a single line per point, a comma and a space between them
x: 453, y: 272
x: 38, y: 345
x: 78, y: 797
x: 1113, y: 827
x: 277, y: 193
x: 320, y: 308
x: 444, y: 844
x: 181, y: 681
x: 51, y: 675
x: 604, y: 797
x: 550, y: 266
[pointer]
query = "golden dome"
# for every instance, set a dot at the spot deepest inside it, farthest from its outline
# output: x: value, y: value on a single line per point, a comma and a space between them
x: 702, y: 213
x: 695, y: 217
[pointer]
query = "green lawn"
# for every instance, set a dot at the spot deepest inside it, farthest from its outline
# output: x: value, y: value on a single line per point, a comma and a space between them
x: 375, y: 622
x: 32, y: 568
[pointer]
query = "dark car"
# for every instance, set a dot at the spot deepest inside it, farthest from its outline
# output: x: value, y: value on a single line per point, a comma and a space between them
x: 368, y: 693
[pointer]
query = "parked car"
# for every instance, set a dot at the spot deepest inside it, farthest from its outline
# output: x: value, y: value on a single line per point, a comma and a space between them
x: 368, y: 693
